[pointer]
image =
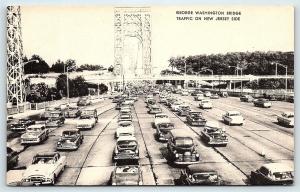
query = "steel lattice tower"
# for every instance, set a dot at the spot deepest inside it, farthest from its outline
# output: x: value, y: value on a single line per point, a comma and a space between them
x: 15, y: 68
x: 132, y: 22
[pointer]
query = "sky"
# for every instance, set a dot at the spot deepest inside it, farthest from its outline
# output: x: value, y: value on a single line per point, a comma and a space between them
x: 86, y: 33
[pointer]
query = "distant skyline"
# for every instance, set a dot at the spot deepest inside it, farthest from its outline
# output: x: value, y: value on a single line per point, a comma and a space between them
x: 86, y: 33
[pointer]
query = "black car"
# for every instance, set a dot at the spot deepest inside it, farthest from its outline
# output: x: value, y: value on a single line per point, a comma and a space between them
x: 199, y: 174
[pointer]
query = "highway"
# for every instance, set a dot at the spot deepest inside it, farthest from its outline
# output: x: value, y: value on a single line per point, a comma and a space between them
x: 258, y: 141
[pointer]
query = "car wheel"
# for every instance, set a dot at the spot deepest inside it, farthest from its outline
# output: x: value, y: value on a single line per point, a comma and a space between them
x: 53, y: 180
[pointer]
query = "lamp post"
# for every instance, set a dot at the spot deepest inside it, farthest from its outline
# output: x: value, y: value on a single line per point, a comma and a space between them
x: 286, y: 67
x: 236, y: 70
x: 68, y: 96
x: 210, y: 70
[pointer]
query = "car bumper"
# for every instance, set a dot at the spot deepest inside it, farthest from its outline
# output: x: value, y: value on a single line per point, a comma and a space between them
x: 85, y: 127
x: 218, y: 143
x: 126, y: 157
x: 30, y: 141
x: 66, y: 147
x: 197, y: 123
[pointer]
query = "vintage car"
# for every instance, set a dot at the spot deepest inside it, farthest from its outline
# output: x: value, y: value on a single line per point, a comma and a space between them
x: 223, y: 94
x: 175, y: 106
x: 129, y: 101
x: 214, y: 96
x: 199, y: 97
x: 183, y: 110
x: 125, y: 117
x: 273, y: 174
x: 72, y: 112
x: 205, y: 104
x: 12, y: 158
x: 207, y: 93
x: 35, y: 134
x: 125, y: 128
x: 286, y: 119
x: 117, y: 99
x: 170, y: 101
x: 127, y: 175
x: 47, y: 113
x: 151, y: 102
x: 233, y: 118
x: 162, y: 131
x: 154, y: 109
x: 181, y: 148
x: 160, y: 118
x: 45, y: 168
x: 86, y: 122
x: 195, y: 119
x: 246, y: 98
x: 70, y: 139
x: 213, y: 135
x: 125, y: 110
x: 84, y: 101
x: 56, y: 119
x: 126, y: 149
x: 21, y: 124
x: 162, y: 99
x: 199, y: 174
x: 262, y: 103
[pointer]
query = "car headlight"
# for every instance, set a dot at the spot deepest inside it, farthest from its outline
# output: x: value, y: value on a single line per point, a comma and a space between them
x: 136, y: 151
x: 140, y: 182
x: 176, y: 155
x: 197, y: 155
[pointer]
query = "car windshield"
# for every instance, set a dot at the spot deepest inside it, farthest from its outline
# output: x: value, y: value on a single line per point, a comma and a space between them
x: 184, y: 141
x: 161, y: 116
x: 127, y: 170
x: 210, y: 176
x: 85, y: 117
x: 205, y: 101
x: 283, y: 175
x: 55, y: 114
x: 234, y: 114
x: 69, y: 133
x: 33, y: 129
x: 127, y: 143
x: 43, y: 160
x: 88, y: 113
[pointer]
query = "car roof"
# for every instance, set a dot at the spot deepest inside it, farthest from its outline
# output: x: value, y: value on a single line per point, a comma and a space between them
x: 36, y: 126
x: 233, y: 112
x: 126, y: 138
x: 70, y: 130
x: 47, y: 154
x: 161, y: 114
x: 198, y: 168
x: 278, y: 167
x: 179, y: 133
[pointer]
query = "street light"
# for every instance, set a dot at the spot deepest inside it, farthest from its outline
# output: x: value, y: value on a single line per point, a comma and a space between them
x: 236, y: 70
x: 210, y: 70
x: 286, y: 67
x: 68, y: 96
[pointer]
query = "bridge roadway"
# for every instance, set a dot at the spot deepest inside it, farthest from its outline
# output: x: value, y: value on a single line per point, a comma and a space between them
x: 92, y: 163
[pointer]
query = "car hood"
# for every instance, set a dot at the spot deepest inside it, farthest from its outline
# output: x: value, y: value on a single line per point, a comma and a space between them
x: 30, y: 134
x: 39, y: 169
x: 237, y: 118
x: 162, y: 120
x: 86, y: 121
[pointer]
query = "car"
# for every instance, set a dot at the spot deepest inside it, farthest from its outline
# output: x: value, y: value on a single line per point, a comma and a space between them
x: 170, y: 101
x: 90, y: 112
x: 126, y: 149
x: 154, y: 109
x: 86, y: 122
x: 160, y: 118
x: 151, y: 102
x: 181, y: 148
x: 195, y: 118
x: 129, y: 101
x: 125, y: 128
x: 213, y: 135
x: 47, y: 113
x: 214, y: 96
x: 199, y: 97
x: 207, y: 93
x: 72, y: 112
x: 117, y: 99
x: 195, y: 92
x: 286, y: 119
x: 199, y: 174
x: 35, y: 134
x: 175, y: 106
x: 246, y: 98
x: 273, y: 174
x: 205, y: 104
x: 290, y: 99
x: 261, y: 102
x: 162, y: 131
x: 148, y: 97
x: 20, y: 125
x: 56, y: 119
x: 45, y: 168
x: 162, y: 99
x: 125, y: 117
x: 70, y: 139
x: 233, y: 118
x: 127, y: 175
x: 12, y: 158
x: 125, y: 110
x: 223, y: 94
x: 84, y: 101
x: 183, y: 110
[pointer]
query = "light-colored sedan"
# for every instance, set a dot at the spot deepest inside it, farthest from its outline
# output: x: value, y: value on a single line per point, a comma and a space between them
x: 233, y: 118
x: 205, y: 104
x: 160, y: 118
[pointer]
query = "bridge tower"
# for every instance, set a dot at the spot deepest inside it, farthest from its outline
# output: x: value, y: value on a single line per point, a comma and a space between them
x: 132, y: 22
x: 15, y: 68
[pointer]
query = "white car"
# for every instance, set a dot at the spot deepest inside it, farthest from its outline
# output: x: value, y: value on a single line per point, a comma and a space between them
x: 184, y: 93
x: 34, y: 134
x: 45, y: 168
x: 205, y: 104
x: 233, y: 118
x: 160, y: 118
x: 199, y: 97
x: 175, y: 106
x: 125, y: 128
x: 86, y: 122
x: 286, y: 119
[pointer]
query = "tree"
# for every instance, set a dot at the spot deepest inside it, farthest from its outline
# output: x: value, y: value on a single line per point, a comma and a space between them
x: 71, y: 64
x: 58, y: 67
x: 61, y: 84
x: 36, y: 67
x: 90, y: 67
x: 80, y: 87
x: 110, y: 68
